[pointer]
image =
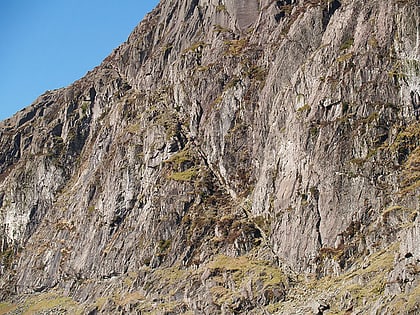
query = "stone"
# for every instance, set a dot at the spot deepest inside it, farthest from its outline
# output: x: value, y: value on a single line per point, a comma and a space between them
x: 248, y: 155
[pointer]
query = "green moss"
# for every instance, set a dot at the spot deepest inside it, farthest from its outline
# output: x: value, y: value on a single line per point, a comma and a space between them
x: 391, y: 209
x: 236, y: 46
x: 405, y: 216
x: 361, y: 285
x: 203, y: 68
x: 221, y: 294
x: 369, y: 119
x: 166, y: 48
x: 404, y: 69
x: 134, y: 128
x: 274, y: 307
x: 50, y: 301
x: 232, y: 83
x: 347, y: 44
x: 411, y: 172
x: 168, y: 307
x: 331, y: 252
x: 187, y: 175
x: 262, y: 223
x: 314, y: 131
x: 217, y: 100
x: 221, y: 8
x: 408, y: 139
x: 256, y: 73
x: 304, y: 108
x: 180, y: 158
x: 7, y: 308
x: 130, y: 298
x: 244, y: 268
x: 169, y: 121
x: 358, y: 161
x: 195, y: 47
x: 164, y: 245
x: 172, y: 275
x: 85, y: 107
x: 413, y: 300
x: 345, y: 57
x: 373, y: 42
x: 242, y: 271
x: 6, y: 258
x: 130, y: 278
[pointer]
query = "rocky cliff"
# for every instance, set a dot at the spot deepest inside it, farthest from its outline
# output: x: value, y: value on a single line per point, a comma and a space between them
x: 232, y: 157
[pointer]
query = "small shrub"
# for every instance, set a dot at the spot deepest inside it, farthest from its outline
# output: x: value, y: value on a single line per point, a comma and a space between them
x: 304, y: 108
x: 221, y: 8
x: 164, y: 245
x: 345, y: 57
x: 330, y: 252
x: 85, y: 107
x: 236, y: 46
x: 347, y: 44
x: 358, y: 161
x: 232, y: 83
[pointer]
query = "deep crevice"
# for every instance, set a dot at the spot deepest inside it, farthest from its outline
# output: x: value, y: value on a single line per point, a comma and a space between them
x: 329, y: 12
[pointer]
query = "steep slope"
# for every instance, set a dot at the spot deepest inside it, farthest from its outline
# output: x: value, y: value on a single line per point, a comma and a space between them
x: 231, y: 157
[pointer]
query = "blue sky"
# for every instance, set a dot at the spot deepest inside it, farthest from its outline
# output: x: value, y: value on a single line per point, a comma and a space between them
x: 48, y: 44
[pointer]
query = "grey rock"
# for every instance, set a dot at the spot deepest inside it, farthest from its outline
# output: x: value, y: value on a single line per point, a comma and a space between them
x: 229, y: 157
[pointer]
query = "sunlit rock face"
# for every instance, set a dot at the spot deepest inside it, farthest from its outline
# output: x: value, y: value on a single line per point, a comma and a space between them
x: 232, y: 157
x: 245, y: 12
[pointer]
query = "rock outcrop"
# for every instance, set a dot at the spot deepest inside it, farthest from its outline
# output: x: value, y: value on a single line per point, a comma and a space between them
x: 232, y: 157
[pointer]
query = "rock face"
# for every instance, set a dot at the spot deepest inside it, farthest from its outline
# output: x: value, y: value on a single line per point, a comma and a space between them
x: 232, y: 157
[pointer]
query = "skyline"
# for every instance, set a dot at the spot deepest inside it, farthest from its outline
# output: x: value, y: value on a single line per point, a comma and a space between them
x: 48, y: 45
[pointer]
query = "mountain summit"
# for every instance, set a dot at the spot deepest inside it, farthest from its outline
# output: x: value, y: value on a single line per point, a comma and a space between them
x: 232, y: 157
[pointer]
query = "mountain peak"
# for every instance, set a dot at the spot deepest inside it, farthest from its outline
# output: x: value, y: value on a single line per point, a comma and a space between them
x: 232, y: 157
